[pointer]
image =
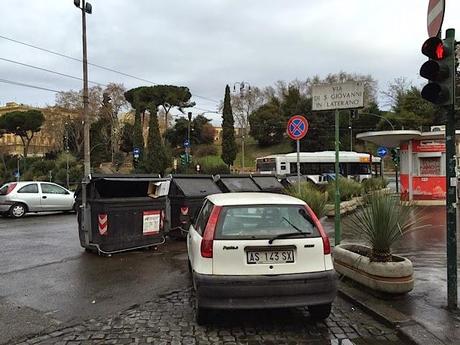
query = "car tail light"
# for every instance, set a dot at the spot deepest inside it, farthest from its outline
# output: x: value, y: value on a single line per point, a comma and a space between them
x: 326, y: 243
x: 10, y: 188
x: 209, y: 233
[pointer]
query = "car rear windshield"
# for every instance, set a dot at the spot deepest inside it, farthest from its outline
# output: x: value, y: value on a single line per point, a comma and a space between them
x: 263, y: 221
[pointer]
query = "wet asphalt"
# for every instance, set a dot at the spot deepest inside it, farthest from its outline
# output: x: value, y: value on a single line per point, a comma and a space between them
x: 47, y: 279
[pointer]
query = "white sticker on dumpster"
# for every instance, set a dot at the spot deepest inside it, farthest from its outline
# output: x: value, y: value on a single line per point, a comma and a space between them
x: 151, y: 222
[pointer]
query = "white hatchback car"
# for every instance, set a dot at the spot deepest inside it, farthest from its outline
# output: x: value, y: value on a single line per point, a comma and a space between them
x: 260, y: 250
x: 19, y: 198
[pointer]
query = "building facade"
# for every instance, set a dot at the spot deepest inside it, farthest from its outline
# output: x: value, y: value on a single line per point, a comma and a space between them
x: 50, y: 137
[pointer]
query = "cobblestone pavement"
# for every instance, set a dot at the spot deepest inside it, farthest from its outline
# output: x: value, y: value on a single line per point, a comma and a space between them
x: 170, y: 320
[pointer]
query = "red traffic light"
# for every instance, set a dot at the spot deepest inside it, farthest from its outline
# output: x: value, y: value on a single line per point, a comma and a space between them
x: 435, y: 49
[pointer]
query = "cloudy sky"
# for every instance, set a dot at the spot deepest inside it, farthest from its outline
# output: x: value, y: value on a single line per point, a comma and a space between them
x: 206, y: 44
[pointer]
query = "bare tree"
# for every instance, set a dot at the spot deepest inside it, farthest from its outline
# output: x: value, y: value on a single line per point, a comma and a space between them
x: 396, y: 90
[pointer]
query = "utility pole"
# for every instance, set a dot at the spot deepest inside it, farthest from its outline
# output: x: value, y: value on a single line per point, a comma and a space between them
x: 67, y: 154
x: 85, y: 8
x: 187, y: 148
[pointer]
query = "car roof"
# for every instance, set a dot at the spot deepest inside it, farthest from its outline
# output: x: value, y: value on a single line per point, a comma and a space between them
x: 22, y: 183
x: 253, y: 198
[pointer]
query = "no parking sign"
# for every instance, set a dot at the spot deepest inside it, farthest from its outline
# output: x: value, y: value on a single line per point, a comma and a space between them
x: 297, y: 127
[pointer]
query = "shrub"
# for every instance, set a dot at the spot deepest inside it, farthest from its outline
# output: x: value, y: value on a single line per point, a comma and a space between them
x: 375, y: 183
x: 348, y: 189
x: 215, y: 169
x: 311, y: 195
x: 42, y: 167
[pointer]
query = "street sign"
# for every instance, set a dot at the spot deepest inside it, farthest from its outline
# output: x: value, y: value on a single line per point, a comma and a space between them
x: 136, y: 152
x: 16, y: 173
x: 348, y: 95
x: 297, y: 127
x: 382, y: 151
x: 435, y: 17
x: 186, y: 143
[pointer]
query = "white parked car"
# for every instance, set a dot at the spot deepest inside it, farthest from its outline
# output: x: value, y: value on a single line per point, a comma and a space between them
x: 19, y: 198
x: 260, y: 250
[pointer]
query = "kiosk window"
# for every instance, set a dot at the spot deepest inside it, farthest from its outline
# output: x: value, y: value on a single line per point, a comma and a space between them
x: 430, y: 166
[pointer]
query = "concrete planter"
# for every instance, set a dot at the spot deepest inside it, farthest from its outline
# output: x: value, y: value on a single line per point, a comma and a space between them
x: 345, y: 206
x: 350, y: 205
x: 388, y: 277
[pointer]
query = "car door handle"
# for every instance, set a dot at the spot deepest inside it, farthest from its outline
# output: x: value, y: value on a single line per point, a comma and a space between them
x: 44, y: 197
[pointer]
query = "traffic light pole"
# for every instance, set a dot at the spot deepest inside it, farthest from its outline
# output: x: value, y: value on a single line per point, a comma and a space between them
x: 451, y: 198
x: 338, y: 234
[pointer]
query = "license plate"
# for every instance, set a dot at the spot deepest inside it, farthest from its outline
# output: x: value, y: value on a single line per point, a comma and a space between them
x: 270, y: 257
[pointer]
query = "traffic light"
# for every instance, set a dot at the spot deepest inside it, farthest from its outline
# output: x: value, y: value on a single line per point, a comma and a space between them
x: 183, y: 159
x: 395, y: 156
x: 439, y: 70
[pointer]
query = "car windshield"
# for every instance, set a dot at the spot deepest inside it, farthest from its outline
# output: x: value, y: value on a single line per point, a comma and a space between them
x: 264, y: 221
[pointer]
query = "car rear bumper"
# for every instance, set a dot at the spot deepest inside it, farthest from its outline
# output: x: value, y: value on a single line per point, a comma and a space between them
x: 253, y: 292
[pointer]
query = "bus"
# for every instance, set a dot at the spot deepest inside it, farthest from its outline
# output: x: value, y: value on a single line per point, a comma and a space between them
x: 318, y: 167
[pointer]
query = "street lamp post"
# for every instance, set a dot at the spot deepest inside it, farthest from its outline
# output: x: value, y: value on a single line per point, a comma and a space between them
x: 244, y: 85
x: 85, y: 8
x: 353, y: 116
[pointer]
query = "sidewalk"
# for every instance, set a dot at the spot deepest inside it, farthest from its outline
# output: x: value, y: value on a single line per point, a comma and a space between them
x: 422, y: 314
x: 412, y: 326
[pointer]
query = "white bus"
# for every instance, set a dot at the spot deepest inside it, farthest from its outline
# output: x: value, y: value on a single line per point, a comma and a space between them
x: 318, y: 166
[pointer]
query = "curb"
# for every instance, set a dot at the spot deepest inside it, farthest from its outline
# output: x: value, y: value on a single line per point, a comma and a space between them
x: 407, y: 328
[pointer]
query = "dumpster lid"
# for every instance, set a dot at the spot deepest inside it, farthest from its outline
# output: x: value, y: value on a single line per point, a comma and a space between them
x: 127, y: 177
x: 241, y: 183
x: 196, y: 185
x: 267, y: 182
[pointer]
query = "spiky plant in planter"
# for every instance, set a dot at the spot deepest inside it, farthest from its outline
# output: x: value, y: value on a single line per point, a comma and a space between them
x: 381, y: 222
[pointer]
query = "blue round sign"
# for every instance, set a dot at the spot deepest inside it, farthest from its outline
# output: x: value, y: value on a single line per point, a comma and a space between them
x: 382, y: 151
x: 186, y: 143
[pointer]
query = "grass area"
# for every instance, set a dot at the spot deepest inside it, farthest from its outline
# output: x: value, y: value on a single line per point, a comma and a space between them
x: 211, y: 160
x: 252, y: 151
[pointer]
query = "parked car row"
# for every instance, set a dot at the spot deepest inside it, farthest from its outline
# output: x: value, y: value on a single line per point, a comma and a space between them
x: 19, y: 198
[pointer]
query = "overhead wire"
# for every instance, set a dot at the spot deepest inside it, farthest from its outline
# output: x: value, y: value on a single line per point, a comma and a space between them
x: 92, y: 64
x: 49, y: 71
x: 6, y: 81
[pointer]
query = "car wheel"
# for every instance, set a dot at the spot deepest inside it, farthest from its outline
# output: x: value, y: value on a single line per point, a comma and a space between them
x: 320, y: 312
x: 201, y: 316
x: 18, y: 210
